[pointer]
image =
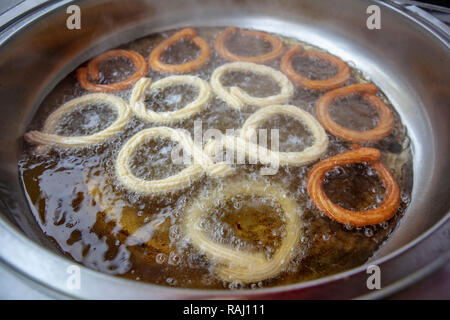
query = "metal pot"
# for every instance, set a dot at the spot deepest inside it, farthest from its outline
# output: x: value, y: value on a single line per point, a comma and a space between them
x: 407, y: 58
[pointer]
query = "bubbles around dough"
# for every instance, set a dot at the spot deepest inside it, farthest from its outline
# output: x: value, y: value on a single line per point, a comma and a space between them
x: 202, y: 163
x: 238, y: 265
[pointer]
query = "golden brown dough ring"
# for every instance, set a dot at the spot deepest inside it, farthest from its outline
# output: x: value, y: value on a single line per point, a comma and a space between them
x: 92, y: 71
x: 200, y: 61
x: 334, y: 82
x: 277, y: 46
x: 239, y: 265
x: 385, y: 122
x: 383, y: 212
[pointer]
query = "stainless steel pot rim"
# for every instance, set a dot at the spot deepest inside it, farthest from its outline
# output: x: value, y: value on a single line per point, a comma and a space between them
x: 121, y: 283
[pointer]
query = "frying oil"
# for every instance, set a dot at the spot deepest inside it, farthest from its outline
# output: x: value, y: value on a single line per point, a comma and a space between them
x: 79, y: 204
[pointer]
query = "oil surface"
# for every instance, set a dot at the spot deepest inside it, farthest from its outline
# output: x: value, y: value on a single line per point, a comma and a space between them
x: 79, y: 204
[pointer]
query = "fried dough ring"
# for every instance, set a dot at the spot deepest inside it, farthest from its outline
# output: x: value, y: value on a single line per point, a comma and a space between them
x: 385, y: 122
x: 92, y: 71
x: 277, y: 46
x: 138, y: 95
x: 383, y: 212
x: 46, y: 137
x: 202, y: 163
x: 243, y: 143
x: 331, y: 83
x: 239, y: 265
x: 236, y: 98
x: 188, y: 33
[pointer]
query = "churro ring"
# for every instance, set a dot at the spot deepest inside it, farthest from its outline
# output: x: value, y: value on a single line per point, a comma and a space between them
x: 385, y: 122
x: 383, y: 212
x: 138, y: 95
x: 331, y: 83
x: 188, y: 33
x: 46, y: 137
x: 92, y: 71
x: 236, y: 98
x: 277, y: 46
x: 239, y: 265
x: 303, y: 157
x: 202, y: 163
x: 244, y: 143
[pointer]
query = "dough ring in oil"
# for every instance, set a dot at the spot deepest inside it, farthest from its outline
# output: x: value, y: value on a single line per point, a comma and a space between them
x: 382, y: 212
x: 46, y: 137
x: 221, y: 48
x: 243, y: 143
x: 385, y: 123
x: 239, y: 265
x: 137, y: 103
x: 202, y: 163
x: 236, y: 98
x: 188, y: 33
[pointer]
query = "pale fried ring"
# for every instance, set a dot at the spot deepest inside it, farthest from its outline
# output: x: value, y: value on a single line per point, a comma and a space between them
x: 277, y: 46
x: 46, y: 137
x: 331, y: 83
x: 383, y: 212
x: 301, y: 158
x: 188, y: 33
x: 138, y: 96
x: 92, y: 71
x: 238, y: 265
x: 385, y: 121
x: 202, y: 163
x: 236, y: 98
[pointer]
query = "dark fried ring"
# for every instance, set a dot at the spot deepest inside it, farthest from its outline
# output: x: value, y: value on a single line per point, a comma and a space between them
x: 331, y: 83
x: 92, y: 71
x: 188, y: 33
x: 385, y: 121
x: 383, y: 212
x: 276, y: 43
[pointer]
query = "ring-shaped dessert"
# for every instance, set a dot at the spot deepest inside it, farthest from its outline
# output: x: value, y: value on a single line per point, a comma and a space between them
x: 245, y: 143
x: 188, y: 33
x: 277, y: 46
x: 235, y: 265
x: 92, y: 71
x: 201, y: 164
x: 343, y: 70
x: 382, y: 212
x: 301, y: 158
x: 47, y: 137
x: 236, y: 98
x: 385, y: 117
x: 137, y: 100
